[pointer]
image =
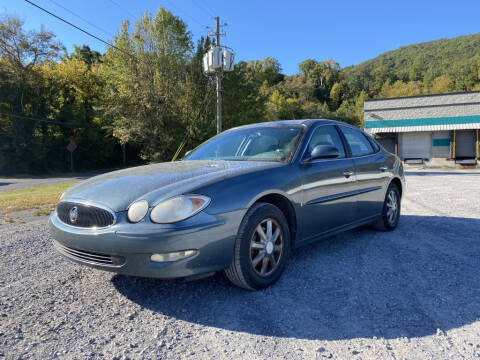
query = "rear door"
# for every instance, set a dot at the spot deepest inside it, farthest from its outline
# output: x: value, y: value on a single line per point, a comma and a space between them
x: 372, y: 172
x: 327, y: 185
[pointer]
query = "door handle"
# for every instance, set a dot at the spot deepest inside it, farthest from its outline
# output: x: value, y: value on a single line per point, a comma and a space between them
x: 383, y: 168
x: 347, y: 173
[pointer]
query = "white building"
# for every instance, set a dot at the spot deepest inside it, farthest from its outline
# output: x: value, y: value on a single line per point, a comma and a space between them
x: 430, y: 129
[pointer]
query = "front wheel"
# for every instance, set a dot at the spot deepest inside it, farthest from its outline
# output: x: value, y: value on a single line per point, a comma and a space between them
x: 388, y: 221
x: 261, y: 249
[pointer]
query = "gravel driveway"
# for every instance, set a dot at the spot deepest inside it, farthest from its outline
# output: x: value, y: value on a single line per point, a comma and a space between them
x: 409, y: 294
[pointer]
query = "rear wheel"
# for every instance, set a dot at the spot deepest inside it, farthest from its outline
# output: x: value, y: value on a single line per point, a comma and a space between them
x: 261, y: 248
x: 388, y: 221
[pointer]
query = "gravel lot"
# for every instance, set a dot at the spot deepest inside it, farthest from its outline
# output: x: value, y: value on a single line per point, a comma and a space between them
x: 410, y: 294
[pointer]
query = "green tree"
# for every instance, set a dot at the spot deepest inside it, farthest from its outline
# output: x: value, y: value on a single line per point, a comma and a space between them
x: 22, y: 96
x: 147, y: 79
x: 85, y: 54
x: 279, y: 107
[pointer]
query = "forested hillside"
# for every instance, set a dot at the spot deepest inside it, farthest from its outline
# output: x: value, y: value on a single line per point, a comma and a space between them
x: 433, y: 67
x: 149, y: 93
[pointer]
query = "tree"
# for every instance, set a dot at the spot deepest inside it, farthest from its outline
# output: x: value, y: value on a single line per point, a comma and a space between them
x: 399, y: 89
x: 26, y: 49
x: 22, y: 51
x: 147, y: 80
x: 415, y: 72
x: 279, y: 107
x: 336, y: 94
x: 85, y: 54
x: 22, y: 95
x: 442, y: 84
x: 267, y: 70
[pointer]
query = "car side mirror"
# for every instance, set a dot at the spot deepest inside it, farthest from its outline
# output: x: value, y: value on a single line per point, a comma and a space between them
x: 188, y: 152
x: 323, y: 152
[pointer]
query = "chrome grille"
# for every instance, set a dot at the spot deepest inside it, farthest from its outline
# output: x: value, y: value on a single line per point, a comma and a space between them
x: 88, y: 256
x: 84, y: 215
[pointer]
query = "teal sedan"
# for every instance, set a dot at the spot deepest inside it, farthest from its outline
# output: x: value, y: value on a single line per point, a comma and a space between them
x: 238, y: 203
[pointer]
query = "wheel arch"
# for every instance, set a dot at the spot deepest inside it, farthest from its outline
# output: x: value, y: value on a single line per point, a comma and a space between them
x: 286, y: 207
x: 398, y: 182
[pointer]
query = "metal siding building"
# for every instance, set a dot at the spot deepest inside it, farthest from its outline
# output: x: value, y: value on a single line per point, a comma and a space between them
x: 430, y: 129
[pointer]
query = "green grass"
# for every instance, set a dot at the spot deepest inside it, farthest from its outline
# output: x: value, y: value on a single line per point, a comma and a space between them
x: 40, y: 199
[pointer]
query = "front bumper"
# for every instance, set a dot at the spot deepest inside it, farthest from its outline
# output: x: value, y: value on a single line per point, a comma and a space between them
x: 126, y: 248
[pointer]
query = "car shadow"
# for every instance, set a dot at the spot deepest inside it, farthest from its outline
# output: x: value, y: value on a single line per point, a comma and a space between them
x: 4, y: 183
x: 407, y: 283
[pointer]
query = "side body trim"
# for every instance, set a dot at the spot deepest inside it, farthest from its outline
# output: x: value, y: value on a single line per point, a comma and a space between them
x: 342, y: 195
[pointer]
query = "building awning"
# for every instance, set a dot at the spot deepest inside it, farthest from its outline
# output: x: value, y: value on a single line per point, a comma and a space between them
x: 423, y: 124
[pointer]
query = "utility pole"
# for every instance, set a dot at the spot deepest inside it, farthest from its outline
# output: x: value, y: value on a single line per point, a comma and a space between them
x: 219, y: 80
x: 217, y: 60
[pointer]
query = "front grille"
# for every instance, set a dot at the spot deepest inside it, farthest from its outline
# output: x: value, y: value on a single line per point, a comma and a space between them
x: 88, y: 256
x: 84, y: 216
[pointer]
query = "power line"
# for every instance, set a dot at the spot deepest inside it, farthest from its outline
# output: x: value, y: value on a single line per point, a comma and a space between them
x: 79, y: 28
x: 203, y: 8
x: 123, y: 8
x: 82, y: 18
x: 166, y: 1
x: 184, y: 13
x: 208, y: 7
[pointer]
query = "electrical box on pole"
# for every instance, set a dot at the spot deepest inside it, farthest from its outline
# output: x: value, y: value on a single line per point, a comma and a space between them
x: 217, y: 60
x: 228, y: 60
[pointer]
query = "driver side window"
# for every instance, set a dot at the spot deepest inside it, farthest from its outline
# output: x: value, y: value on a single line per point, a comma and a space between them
x: 326, y: 135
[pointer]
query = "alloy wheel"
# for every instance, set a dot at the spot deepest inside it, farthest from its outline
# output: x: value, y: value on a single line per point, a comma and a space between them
x: 266, y: 247
x: 392, y: 207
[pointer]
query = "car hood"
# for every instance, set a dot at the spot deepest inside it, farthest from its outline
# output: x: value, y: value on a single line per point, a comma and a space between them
x: 156, y: 182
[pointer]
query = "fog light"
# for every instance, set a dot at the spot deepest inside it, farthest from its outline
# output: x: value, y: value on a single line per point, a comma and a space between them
x: 173, y: 256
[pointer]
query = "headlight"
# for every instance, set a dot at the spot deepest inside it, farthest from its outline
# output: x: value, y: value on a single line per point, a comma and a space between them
x: 178, y: 208
x: 137, y: 211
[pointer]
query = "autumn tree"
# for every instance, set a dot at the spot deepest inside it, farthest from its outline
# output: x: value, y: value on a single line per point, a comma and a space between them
x: 400, y: 88
x: 442, y: 84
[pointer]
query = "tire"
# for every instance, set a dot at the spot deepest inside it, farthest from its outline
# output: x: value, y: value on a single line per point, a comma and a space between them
x: 387, y: 221
x: 246, y: 270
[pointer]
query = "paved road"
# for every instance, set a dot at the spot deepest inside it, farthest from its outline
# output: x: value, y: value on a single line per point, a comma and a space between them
x: 21, y: 183
x: 409, y: 294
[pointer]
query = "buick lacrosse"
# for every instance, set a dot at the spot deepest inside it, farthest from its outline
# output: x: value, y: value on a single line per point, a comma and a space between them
x: 239, y: 203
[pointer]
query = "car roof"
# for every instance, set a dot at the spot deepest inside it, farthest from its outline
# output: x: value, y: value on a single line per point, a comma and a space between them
x: 282, y: 123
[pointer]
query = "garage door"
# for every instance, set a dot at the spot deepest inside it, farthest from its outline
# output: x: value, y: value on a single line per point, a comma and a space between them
x: 416, y: 145
x: 465, y: 142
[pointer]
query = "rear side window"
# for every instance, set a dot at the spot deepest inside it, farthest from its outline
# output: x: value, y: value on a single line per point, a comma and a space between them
x: 374, y: 143
x: 359, y: 144
x: 326, y: 135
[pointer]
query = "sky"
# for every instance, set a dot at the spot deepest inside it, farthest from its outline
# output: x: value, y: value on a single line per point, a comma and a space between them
x: 349, y: 31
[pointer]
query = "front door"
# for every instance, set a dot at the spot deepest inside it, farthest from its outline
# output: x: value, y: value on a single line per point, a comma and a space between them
x: 327, y: 185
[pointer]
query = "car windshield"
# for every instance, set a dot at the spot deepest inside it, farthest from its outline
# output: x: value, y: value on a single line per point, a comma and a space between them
x: 256, y: 144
